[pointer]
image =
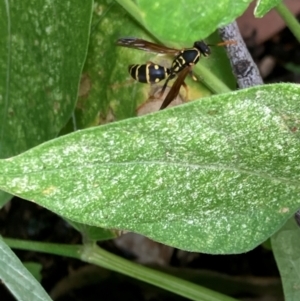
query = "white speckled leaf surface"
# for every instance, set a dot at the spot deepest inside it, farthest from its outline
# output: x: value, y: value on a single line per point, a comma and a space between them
x: 218, y: 175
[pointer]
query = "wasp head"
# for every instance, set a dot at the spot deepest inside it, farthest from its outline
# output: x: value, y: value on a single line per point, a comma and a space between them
x: 202, y: 47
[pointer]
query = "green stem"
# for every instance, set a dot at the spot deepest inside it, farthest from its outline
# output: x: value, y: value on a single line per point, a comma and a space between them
x: 98, y: 256
x: 210, y: 80
x: 132, y: 9
x: 289, y: 19
x: 91, y: 253
x: 73, y: 251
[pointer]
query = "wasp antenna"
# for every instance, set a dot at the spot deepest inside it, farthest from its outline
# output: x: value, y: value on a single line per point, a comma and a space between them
x: 228, y: 42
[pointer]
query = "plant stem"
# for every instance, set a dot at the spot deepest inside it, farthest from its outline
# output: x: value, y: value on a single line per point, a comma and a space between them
x: 98, y: 256
x: 210, y: 80
x: 289, y: 19
x: 132, y: 9
x: 91, y: 253
x: 73, y: 251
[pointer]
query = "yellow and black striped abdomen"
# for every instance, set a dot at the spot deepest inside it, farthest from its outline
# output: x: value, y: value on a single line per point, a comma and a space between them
x: 148, y: 73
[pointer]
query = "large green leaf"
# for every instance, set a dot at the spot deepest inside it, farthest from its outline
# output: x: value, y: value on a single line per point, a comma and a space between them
x: 218, y: 175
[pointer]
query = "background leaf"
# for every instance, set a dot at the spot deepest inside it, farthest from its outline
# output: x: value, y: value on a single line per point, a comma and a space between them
x: 42, y: 50
x: 4, y: 198
x: 286, y: 248
x: 92, y: 232
x: 35, y: 269
x: 264, y: 6
x: 186, y: 21
x: 17, y: 278
x: 218, y: 175
x: 41, y: 63
x: 106, y: 79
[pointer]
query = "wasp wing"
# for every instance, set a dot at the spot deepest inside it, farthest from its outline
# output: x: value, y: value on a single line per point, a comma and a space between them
x: 174, y: 91
x: 145, y: 45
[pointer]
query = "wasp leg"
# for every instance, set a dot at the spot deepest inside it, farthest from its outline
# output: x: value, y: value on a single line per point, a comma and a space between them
x: 193, y: 76
x: 162, y: 91
x: 186, y: 88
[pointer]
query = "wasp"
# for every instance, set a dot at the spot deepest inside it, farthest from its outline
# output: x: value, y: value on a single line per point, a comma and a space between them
x: 182, y: 64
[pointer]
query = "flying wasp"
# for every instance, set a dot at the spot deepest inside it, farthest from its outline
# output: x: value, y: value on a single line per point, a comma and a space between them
x: 182, y: 64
